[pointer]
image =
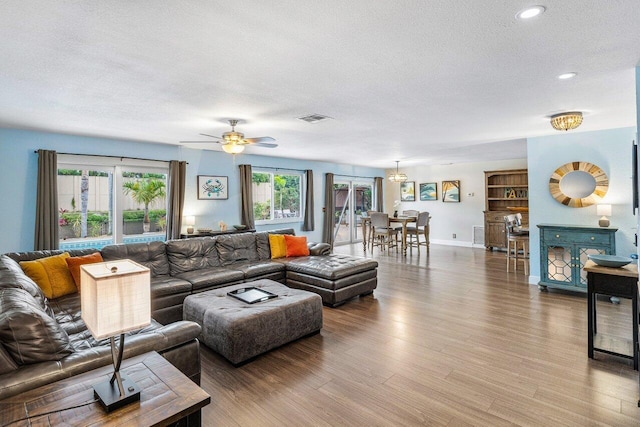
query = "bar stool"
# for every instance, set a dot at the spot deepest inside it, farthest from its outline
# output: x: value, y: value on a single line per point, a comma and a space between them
x: 517, y: 240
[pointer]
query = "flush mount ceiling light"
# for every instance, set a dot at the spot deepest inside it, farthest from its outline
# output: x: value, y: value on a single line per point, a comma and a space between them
x: 566, y: 121
x: 567, y: 76
x: 397, y: 177
x: 530, y: 12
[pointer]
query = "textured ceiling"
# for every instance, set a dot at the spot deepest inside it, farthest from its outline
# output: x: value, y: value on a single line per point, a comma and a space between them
x: 436, y: 81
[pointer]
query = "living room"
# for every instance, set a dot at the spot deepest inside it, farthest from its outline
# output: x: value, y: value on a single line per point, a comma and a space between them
x: 515, y: 137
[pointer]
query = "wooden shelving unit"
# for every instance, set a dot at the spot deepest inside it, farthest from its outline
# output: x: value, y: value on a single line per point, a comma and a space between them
x: 506, y: 192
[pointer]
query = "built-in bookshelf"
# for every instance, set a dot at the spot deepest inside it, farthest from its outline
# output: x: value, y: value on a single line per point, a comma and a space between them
x: 506, y: 192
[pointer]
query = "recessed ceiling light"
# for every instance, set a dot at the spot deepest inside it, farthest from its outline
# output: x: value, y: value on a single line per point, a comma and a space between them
x: 530, y: 12
x: 566, y: 76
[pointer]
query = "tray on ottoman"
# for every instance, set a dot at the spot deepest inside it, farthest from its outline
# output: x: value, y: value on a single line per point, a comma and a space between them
x: 240, y: 331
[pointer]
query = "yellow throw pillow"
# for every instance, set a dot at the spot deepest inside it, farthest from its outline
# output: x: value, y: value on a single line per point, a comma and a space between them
x: 51, y: 274
x: 278, y: 246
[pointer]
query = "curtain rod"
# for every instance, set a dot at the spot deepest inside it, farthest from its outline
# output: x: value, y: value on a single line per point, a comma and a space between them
x: 277, y: 169
x: 113, y: 157
x: 356, y: 176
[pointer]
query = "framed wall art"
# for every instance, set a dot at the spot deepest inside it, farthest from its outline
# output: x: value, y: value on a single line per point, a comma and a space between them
x: 429, y: 191
x: 451, y: 191
x: 408, y: 191
x: 213, y: 187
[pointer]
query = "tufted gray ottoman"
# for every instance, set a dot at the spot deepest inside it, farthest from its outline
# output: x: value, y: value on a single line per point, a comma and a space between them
x: 241, y: 331
x: 336, y: 278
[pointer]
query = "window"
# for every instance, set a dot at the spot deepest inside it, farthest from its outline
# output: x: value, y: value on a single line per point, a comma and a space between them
x: 277, y: 197
x: 110, y: 200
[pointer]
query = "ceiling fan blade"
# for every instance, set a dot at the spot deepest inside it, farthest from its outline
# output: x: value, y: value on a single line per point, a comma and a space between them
x: 264, y: 144
x: 259, y: 139
x: 211, y: 136
x: 199, y: 142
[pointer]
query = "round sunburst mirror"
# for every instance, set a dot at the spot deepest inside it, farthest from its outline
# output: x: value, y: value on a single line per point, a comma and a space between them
x: 578, y: 184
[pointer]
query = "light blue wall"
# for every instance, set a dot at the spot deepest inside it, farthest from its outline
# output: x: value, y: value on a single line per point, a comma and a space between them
x: 608, y: 149
x: 18, y: 170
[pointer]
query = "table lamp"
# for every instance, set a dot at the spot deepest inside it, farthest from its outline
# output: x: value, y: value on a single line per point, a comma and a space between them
x: 603, y: 211
x: 115, y: 298
x: 190, y: 220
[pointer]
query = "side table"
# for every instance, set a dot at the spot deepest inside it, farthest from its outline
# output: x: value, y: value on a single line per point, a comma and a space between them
x: 616, y: 282
x: 166, y: 397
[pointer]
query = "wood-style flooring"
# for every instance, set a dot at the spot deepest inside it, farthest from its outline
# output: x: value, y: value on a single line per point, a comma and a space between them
x: 446, y: 339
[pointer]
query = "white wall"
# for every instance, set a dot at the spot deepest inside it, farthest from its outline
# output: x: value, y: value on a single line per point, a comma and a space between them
x: 608, y: 149
x: 450, y: 218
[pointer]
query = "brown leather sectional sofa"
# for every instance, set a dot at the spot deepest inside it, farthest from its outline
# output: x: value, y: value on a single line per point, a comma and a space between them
x: 42, y: 341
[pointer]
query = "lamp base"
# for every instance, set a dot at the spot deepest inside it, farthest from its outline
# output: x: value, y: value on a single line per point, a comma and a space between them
x: 109, y: 397
x: 604, y: 222
x: 189, y: 230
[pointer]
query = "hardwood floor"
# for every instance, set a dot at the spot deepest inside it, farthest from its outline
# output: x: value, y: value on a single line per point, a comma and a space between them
x: 446, y: 339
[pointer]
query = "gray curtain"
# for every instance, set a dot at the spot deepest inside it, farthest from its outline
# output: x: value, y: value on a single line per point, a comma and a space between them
x: 329, y: 210
x: 309, y: 223
x: 377, y: 182
x: 46, y: 232
x: 246, y: 208
x: 176, y: 184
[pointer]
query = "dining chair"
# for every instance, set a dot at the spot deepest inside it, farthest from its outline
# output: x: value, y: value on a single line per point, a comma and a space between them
x: 421, y: 227
x: 517, y: 240
x: 384, y: 236
x: 409, y: 212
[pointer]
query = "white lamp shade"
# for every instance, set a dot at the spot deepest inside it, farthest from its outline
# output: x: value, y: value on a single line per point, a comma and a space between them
x: 115, y: 302
x: 190, y: 220
x: 603, y: 210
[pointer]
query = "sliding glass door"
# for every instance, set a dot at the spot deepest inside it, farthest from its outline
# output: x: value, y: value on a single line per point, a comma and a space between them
x: 351, y: 199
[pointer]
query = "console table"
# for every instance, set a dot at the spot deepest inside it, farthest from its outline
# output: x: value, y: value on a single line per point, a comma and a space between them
x: 167, y: 396
x: 619, y: 282
x: 564, y: 251
x: 216, y: 233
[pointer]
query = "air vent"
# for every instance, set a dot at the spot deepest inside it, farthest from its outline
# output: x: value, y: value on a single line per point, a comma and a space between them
x: 478, y: 235
x: 314, y: 118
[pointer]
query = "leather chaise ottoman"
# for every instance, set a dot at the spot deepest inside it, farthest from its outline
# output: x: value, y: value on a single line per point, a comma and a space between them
x: 240, y: 331
x: 336, y: 278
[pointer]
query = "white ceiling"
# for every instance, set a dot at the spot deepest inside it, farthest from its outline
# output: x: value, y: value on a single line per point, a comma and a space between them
x: 420, y: 81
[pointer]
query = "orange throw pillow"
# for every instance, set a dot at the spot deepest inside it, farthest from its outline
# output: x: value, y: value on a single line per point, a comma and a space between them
x: 75, y: 262
x: 51, y: 274
x: 296, y: 246
x: 278, y: 246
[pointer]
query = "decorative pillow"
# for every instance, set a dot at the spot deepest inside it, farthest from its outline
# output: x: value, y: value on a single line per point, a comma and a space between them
x: 51, y: 274
x: 27, y: 332
x: 296, y: 246
x: 278, y: 246
x: 74, y: 263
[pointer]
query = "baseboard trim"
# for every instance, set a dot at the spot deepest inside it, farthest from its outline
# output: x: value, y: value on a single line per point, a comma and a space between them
x: 452, y: 243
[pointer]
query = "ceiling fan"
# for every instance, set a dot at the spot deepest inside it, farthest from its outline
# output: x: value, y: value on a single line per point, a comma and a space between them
x: 234, y: 142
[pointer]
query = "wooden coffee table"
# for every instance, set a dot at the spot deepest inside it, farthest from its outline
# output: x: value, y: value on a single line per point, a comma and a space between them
x: 167, y: 396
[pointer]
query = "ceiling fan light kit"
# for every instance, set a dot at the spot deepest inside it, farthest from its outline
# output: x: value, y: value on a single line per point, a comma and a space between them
x: 233, y: 148
x: 566, y: 121
x: 234, y: 142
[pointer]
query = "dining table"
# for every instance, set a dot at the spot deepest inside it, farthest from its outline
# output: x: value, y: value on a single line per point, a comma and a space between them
x: 403, y: 220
